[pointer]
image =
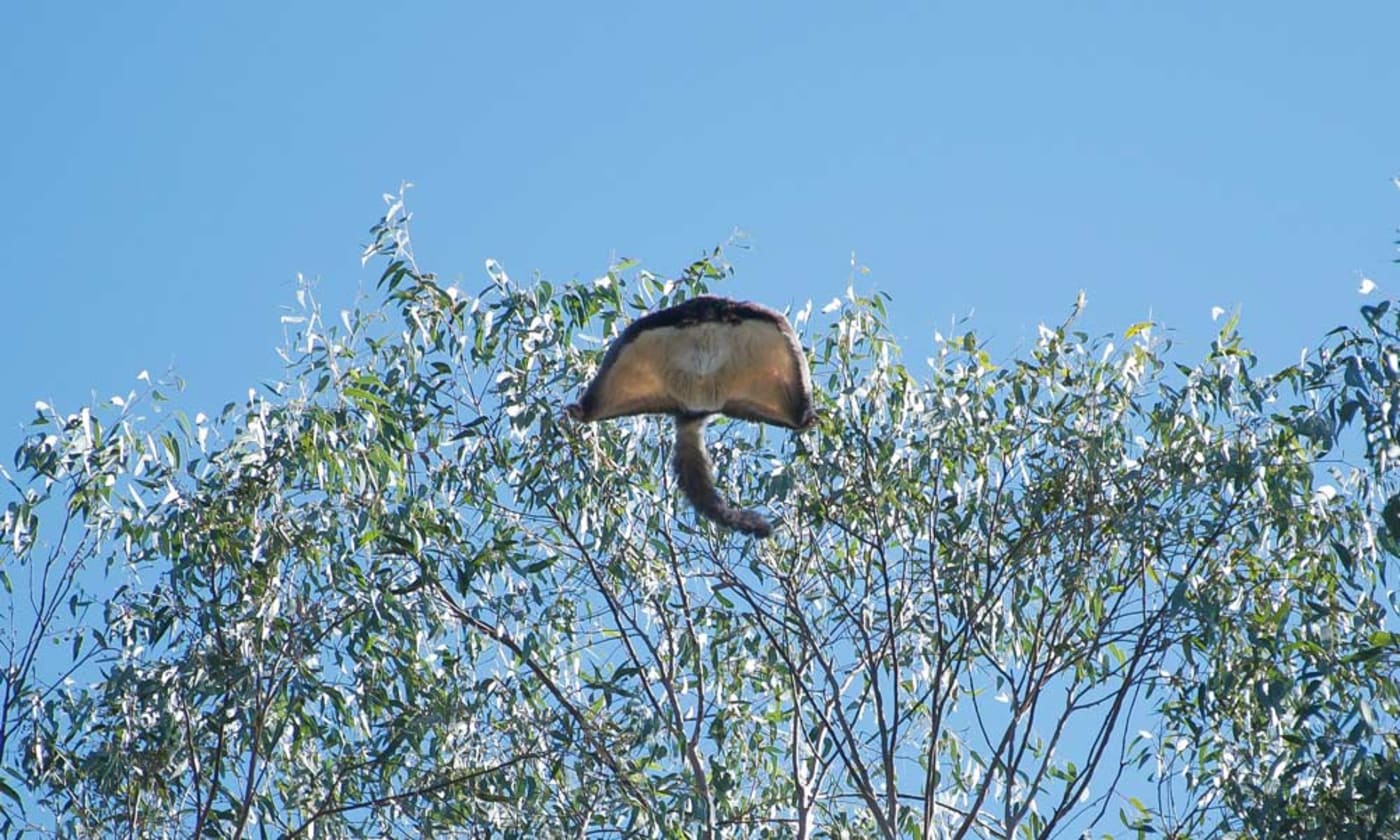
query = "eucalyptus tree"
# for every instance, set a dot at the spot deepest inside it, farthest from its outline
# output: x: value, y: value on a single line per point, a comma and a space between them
x: 1084, y: 590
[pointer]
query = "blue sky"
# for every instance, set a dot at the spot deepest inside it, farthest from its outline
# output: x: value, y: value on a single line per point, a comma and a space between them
x: 169, y: 169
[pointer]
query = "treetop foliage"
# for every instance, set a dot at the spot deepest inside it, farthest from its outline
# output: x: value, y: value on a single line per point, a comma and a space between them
x: 1086, y: 590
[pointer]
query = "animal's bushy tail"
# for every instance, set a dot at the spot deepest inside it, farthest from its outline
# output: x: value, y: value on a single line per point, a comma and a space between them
x: 697, y: 479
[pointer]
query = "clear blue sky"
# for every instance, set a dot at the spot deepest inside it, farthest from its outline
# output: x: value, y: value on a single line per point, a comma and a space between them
x: 169, y: 168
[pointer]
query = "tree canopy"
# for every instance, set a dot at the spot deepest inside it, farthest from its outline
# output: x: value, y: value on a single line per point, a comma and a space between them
x: 1089, y: 589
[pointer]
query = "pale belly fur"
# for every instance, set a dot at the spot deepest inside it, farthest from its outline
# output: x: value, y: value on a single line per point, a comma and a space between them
x: 706, y: 350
